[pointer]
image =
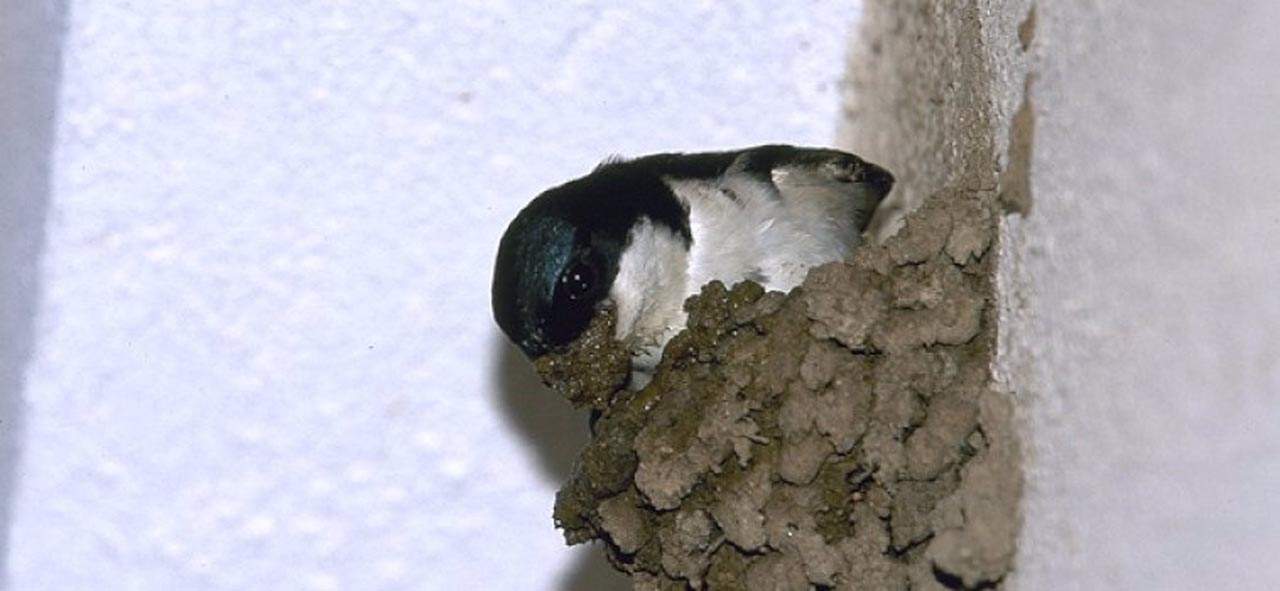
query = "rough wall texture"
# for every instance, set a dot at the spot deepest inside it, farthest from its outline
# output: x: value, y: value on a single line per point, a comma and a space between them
x: 264, y: 356
x: 932, y: 88
x: 30, y: 52
x: 849, y: 434
x: 1141, y: 295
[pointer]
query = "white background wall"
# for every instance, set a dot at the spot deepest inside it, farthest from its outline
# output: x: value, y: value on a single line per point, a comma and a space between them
x: 264, y: 357
x: 1149, y: 348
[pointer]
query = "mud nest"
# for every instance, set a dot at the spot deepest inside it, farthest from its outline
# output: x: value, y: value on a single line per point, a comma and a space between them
x: 843, y: 436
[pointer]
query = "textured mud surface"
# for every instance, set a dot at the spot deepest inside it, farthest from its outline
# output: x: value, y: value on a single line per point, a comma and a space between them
x: 592, y: 370
x: 841, y: 436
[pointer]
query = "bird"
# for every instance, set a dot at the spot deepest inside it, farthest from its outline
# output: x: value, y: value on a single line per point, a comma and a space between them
x: 641, y: 235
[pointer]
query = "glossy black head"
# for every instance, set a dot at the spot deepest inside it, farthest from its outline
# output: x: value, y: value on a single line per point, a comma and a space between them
x: 557, y: 260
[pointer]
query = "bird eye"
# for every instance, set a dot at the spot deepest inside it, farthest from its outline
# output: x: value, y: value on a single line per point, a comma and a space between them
x: 578, y: 282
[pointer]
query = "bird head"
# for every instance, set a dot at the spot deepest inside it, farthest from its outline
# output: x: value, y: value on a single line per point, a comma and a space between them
x: 558, y: 259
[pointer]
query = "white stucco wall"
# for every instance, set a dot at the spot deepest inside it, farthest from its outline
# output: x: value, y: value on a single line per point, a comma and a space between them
x: 263, y: 357
x: 1145, y: 294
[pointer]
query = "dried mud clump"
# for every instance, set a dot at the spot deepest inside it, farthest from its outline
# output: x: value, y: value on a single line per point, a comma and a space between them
x: 592, y: 370
x: 843, y: 436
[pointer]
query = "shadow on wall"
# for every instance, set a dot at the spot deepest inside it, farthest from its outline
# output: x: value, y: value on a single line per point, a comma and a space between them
x: 556, y: 432
x: 31, y: 36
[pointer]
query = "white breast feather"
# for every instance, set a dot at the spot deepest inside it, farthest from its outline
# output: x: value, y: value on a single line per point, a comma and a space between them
x: 743, y: 228
x: 649, y: 290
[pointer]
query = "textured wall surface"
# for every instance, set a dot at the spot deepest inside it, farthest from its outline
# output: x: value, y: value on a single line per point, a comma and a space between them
x: 1139, y: 288
x: 936, y: 82
x: 263, y: 357
x: 1143, y: 287
x: 30, y: 44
